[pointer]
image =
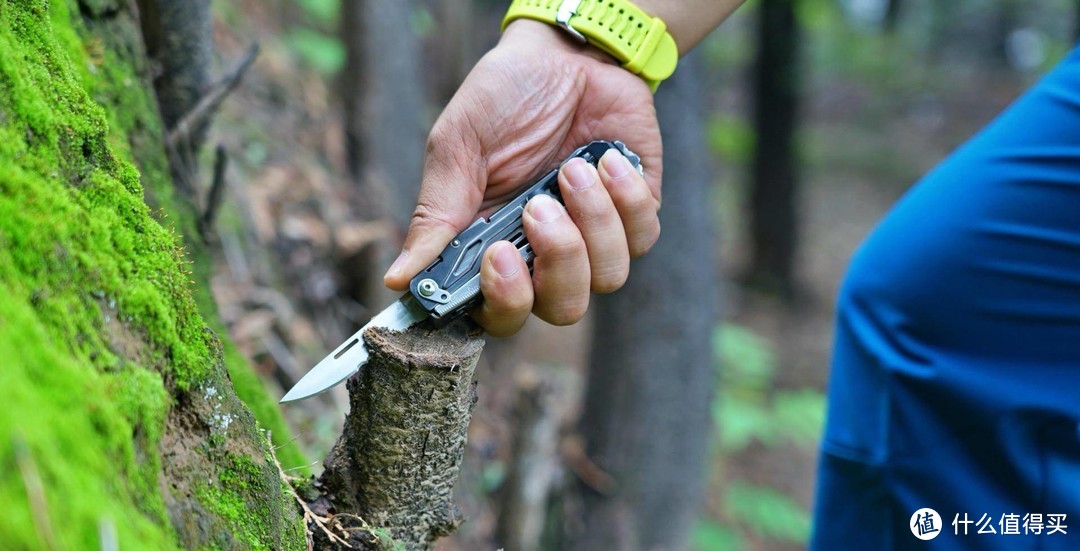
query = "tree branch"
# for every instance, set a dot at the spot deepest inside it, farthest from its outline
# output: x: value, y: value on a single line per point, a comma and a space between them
x: 180, y: 134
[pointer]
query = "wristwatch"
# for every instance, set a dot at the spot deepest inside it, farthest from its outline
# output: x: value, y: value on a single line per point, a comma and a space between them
x: 638, y: 40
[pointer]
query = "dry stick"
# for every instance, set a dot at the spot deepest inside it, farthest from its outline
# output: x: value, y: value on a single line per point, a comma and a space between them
x: 533, y: 465
x: 309, y: 516
x: 217, y: 189
x: 181, y: 132
x: 35, y: 490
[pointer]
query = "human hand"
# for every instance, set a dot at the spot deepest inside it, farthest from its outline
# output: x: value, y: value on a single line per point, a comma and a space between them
x: 526, y: 105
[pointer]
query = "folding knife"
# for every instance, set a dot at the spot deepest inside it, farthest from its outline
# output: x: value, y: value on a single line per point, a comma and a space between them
x: 450, y: 286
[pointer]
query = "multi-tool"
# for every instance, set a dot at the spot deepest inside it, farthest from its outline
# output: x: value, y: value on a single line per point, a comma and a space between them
x: 450, y: 285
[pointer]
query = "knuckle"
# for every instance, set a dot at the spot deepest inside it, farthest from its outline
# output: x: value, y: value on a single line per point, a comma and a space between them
x: 425, y: 216
x: 560, y: 251
x: 441, y: 134
x: 591, y: 215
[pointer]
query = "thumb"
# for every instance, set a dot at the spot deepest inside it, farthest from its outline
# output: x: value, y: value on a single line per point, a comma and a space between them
x: 455, y: 177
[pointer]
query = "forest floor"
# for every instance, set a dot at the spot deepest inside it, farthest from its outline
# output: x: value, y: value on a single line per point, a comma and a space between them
x: 286, y: 221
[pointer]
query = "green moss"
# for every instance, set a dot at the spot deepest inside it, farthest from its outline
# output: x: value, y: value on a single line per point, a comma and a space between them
x: 98, y: 325
x: 75, y: 450
x: 112, y: 79
x: 249, y: 387
x: 243, y: 477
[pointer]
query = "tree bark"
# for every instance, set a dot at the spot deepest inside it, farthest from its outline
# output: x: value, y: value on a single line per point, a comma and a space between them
x: 386, y: 122
x: 523, y: 497
x: 773, y: 217
x: 893, y: 12
x: 179, y: 44
x: 398, y: 457
x: 385, y: 106
x: 1076, y: 22
x: 646, y: 414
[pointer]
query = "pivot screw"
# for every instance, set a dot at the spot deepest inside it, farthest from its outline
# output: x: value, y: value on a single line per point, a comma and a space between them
x: 427, y: 287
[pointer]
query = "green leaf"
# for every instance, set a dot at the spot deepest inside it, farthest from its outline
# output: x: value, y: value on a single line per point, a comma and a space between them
x: 731, y: 138
x: 799, y: 415
x: 711, y: 536
x: 745, y: 359
x: 324, y: 53
x: 767, y: 512
x: 323, y: 12
x: 739, y: 422
x: 492, y: 476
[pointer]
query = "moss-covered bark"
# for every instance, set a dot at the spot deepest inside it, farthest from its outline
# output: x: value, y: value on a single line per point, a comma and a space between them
x: 119, y: 415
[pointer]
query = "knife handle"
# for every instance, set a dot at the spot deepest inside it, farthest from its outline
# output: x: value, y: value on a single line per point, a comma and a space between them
x: 451, y: 284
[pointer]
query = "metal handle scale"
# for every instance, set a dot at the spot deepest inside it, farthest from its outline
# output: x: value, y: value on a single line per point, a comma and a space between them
x: 451, y: 284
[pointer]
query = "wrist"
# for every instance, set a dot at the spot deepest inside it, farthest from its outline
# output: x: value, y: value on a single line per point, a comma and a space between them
x: 638, y: 41
x: 535, y: 33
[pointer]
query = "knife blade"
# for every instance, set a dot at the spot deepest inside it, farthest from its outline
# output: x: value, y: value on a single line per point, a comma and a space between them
x: 450, y: 285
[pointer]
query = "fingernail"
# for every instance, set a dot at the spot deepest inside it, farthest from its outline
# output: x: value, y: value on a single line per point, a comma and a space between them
x: 544, y: 208
x: 398, y: 264
x: 504, y: 262
x: 616, y: 164
x: 578, y: 174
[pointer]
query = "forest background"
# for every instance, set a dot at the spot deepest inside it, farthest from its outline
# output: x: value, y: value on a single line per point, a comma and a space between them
x: 798, y: 121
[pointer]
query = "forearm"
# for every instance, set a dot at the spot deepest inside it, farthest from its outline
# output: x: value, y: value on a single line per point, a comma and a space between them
x: 689, y: 21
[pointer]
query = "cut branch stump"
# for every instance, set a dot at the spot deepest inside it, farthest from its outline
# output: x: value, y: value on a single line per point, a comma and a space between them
x: 398, y: 457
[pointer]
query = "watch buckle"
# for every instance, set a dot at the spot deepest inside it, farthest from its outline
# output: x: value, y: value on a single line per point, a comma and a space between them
x: 568, y: 9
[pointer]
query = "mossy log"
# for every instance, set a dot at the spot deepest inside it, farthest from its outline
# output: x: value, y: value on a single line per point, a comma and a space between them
x: 398, y: 457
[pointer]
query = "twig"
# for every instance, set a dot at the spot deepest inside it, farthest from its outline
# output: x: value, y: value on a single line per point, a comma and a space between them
x: 181, y: 132
x: 35, y: 490
x: 573, y: 452
x: 299, y: 467
x: 309, y: 516
x: 217, y: 188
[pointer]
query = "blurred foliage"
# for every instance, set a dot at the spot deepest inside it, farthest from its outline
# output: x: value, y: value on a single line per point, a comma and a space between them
x: 710, y: 535
x: 322, y: 52
x: 321, y: 12
x: 750, y: 410
x: 767, y: 512
x: 731, y: 138
x: 421, y: 22
x: 314, y: 39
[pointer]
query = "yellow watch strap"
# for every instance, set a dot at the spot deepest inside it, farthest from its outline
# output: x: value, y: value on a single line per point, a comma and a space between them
x: 639, y: 41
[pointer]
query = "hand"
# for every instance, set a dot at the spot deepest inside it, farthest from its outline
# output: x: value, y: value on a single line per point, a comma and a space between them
x: 526, y: 105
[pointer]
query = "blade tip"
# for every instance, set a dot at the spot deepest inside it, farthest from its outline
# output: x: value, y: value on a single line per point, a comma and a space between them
x: 291, y: 396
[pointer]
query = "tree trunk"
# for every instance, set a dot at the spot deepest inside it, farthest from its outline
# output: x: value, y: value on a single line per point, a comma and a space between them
x: 773, y: 218
x: 386, y: 122
x: 1076, y: 23
x: 893, y: 11
x: 119, y: 412
x: 1006, y: 19
x: 398, y: 457
x: 179, y: 43
x: 523, y: 497
x: 646, y: 414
